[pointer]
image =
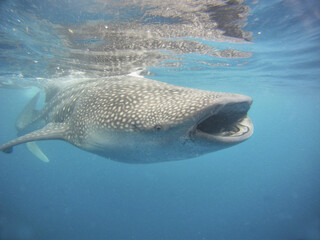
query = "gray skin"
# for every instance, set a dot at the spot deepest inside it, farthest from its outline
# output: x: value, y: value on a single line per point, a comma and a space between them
x: 138, y: 120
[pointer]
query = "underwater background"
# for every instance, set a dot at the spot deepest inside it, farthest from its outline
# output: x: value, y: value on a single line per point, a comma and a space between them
x: 264, y: 188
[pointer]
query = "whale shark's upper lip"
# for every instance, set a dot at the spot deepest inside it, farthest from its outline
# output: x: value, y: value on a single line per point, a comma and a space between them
x: 226, y: 121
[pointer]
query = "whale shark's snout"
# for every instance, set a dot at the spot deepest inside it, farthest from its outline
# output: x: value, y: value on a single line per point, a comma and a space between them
x: 225, y: 121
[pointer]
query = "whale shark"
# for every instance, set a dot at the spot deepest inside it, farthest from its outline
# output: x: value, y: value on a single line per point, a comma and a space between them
x: 134, y: 119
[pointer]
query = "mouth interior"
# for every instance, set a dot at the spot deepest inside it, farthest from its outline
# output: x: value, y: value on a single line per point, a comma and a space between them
x: 230, y: 121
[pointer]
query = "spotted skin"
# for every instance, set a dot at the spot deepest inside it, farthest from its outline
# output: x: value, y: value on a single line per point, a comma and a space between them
x: 129, y: 119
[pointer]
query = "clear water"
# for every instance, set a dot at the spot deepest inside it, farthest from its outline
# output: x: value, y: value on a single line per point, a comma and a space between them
x: 265, y: 188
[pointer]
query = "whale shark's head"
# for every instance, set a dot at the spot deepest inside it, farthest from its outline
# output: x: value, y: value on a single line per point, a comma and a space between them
x: 161, y: 122
x: 198, y: 130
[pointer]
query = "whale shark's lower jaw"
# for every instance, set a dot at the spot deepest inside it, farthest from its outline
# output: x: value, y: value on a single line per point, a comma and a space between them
x: 227, y: 124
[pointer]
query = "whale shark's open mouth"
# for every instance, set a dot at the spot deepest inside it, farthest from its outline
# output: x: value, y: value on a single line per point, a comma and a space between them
x: 227, y: 124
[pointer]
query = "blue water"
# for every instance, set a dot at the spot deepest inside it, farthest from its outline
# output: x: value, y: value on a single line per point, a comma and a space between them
x: 264, y: 188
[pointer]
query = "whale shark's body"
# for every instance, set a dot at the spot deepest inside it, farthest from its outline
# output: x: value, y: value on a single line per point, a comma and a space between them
x: 137, y: 120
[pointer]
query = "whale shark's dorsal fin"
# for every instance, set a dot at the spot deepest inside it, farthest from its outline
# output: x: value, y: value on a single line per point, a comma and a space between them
x: 50, y: 131
x: 50, y: 92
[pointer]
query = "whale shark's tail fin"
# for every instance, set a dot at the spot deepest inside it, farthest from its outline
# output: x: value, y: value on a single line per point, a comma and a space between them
x: 29, y: 115
x: 28, y: 120
x: 36, y: 150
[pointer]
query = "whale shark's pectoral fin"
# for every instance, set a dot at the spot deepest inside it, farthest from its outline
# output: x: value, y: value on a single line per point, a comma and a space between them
x: 50, y: 131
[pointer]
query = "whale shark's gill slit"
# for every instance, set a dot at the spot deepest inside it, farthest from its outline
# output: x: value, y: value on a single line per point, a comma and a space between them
x: 228, y: 121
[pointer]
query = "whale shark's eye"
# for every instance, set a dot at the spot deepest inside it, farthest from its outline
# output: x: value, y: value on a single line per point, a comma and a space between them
x: 157, y: 127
